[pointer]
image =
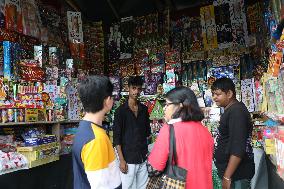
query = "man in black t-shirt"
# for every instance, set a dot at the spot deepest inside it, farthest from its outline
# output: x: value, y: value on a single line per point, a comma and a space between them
x: 130, y: 133
x: 233, y: 154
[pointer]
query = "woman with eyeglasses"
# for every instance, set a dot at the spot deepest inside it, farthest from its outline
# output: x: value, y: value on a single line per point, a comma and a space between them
x: 194, y: 143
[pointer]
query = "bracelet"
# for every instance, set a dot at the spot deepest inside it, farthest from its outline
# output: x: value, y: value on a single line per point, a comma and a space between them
x: 228, y: 179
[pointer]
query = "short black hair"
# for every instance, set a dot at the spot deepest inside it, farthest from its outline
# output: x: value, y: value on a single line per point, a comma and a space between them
x: 224, y: 84
x: 190, y: 110
x: 135, y: 81
x: 93, y: 91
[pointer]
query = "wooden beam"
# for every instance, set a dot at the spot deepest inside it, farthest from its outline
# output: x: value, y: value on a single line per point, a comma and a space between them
x: 72, y: 4
x: 113, y: 9
x: 171, y: 4
x: 160, y: 5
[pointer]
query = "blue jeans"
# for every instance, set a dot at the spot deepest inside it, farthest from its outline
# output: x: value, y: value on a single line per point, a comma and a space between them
x: 241, y: 184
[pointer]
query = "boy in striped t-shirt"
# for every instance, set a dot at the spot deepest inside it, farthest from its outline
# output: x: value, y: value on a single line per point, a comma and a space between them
x: 94, y: 161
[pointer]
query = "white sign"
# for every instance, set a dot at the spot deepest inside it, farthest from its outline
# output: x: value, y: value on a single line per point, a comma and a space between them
x: 75, y: 27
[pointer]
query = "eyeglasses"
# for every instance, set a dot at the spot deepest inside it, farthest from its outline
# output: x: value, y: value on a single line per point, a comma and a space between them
x: 170, y: 103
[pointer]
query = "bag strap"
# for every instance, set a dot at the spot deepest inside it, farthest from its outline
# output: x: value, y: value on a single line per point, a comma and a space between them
x: 173, y: 153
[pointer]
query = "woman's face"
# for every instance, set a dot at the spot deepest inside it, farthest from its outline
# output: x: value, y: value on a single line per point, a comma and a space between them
x: 169, y: 109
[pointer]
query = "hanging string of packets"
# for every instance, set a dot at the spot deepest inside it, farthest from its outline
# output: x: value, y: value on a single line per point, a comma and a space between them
x: 217, y: 183
x: 151, y: 31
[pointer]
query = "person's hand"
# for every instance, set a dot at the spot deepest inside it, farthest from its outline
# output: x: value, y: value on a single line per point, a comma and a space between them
x: 226, y: 183
x: 123, y: 166
x: 282, y: 13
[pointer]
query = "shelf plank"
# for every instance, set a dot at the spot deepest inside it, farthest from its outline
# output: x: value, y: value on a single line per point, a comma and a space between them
x: 33, y: 148
x: 13, y: 170
x: 43, y: 161
x: 38, y: 123
x: 33, y: 164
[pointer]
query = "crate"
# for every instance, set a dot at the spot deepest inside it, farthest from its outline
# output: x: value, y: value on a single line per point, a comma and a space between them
x: 39, y: 147
x: 35, y: 154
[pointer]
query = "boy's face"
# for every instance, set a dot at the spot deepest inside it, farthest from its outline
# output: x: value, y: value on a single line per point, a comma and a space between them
x: 134, y: 91
x: 222, y: 98
x: 108, y: 103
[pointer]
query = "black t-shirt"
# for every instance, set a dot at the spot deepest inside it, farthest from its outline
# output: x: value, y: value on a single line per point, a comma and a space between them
x: 234, y: 138
x: 131, y: 132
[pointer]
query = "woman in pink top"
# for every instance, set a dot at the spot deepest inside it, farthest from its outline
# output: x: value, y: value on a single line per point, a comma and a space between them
x: 194, y: 144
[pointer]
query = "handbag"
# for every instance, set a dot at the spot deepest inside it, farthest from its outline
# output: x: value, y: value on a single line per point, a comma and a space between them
x: 174, y: 177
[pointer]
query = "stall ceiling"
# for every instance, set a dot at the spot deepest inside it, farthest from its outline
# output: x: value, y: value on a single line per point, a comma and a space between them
x: 112, y: 10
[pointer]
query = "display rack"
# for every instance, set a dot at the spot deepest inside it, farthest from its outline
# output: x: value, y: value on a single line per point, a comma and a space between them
x: 38, y: 123
x: 55, y: 130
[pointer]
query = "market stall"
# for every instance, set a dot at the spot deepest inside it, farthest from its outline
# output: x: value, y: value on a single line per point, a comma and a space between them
x: 51, y: 47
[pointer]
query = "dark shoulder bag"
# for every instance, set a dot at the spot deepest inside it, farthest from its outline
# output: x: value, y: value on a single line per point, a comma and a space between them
x: 174, y: 177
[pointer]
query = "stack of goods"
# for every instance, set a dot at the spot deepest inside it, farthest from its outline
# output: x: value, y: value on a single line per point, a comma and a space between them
x: 156, y: 125
x: 172, y: 70
x: 75, y: 108
x: 30, y: 92
x: 269, y: 134
x: 156, y: 113
x: 211, y: 120
x: 68, y: 133
x: 10, y: 160
x: 194, y: 75
x: 268, y: 99
x: 280, y: 151
x: 16, y: 99
x: 272, y: 94
x: 273, y: 145
x: 31, y: 18
x: 257, y: 134
x: 146, y: 54
x: 94, y: 45
x: 39, y: 148
x: 151, y: 32
x: 217, y: 182
x: 37, y: 136
x: 54, y: 27
x: 156, y: 110
x: 186, y: 35
x: 152, y: 81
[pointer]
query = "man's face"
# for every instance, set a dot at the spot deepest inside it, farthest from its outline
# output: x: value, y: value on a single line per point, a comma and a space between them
x: 222, y: 98
x: 134, y: 91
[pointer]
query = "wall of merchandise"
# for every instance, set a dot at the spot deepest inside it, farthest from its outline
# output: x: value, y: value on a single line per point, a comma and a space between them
x: 193, y: 48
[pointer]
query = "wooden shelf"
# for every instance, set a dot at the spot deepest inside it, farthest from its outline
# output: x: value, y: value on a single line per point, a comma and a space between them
x: 274, y: 116
x: 38, y: 123
x: 69, y: 121
x: 33, y: 164
x: 13, y: 170
x: 40, y: 162
x: 34, y: 148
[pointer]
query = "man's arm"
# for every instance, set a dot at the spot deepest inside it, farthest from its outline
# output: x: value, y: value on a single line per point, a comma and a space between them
x: 117, y: 139
x: 238, y: 131
x: 148, y: 128
x: 233, y: 164
x: 122, y: 165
